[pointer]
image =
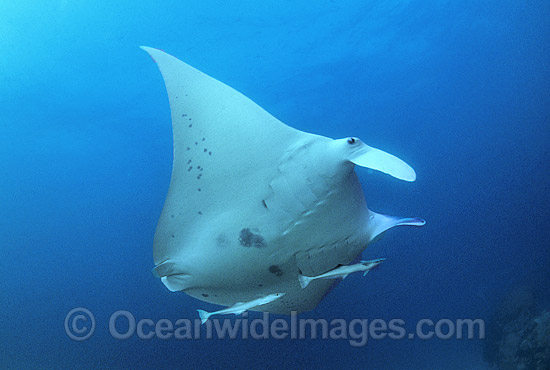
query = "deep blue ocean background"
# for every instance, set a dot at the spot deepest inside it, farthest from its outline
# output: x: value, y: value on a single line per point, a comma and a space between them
x: 460, y: 90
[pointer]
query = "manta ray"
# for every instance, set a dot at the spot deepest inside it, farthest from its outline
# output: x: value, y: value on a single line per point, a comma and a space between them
x: 254, y: 204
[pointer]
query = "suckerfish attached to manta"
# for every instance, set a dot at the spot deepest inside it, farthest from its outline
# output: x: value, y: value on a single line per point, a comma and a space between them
x: 341, y: 272
x: 239, y: 307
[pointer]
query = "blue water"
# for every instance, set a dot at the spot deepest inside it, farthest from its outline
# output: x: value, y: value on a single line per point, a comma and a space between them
x: 460, y: 90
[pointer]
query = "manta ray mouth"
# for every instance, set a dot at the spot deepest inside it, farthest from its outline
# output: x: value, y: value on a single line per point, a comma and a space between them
x: 176, y: 282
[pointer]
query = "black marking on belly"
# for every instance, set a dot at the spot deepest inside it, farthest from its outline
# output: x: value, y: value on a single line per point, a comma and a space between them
x: 276, y: 270
x: 204, y: 295
x: 248, y: 239
x: 264, y: 203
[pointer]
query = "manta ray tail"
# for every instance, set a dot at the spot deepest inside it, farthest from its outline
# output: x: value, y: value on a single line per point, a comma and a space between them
x: 203, y: 315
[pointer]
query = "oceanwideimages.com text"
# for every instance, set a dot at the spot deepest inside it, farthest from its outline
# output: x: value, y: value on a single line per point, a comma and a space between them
x: 80, y: 325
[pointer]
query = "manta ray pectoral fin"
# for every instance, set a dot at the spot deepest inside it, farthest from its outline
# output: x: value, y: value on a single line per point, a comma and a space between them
x: 379, y: 223
x: 304, y: 280
x: 226, y: 149
x: 379, y: 160
x: 203, y: 315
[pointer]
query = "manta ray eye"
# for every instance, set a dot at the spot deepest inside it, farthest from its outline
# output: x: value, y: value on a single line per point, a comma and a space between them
x: 351, y: 140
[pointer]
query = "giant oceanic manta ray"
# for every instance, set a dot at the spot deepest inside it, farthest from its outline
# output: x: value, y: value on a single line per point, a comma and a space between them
x: 253, y: 203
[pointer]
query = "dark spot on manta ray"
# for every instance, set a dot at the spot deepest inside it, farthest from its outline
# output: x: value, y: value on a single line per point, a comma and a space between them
x: 263, y: 202
x: 209, y: 153
x: 190, y: 168
x: 196, y: 143
x: 248, y: 239
x: 200, y: 213
x: 184, y: 115
x: 260, y: 285
x: 274, y: 269
x: 190, y: 125
x: 188, y: 148
x: 221, y: 240
x: 199, y: 189
x: 172, y: 216
x: 189, y: 119
x: 189, y: 161
x: 199, y: 176
x: 203, y: 139
x: 205, y: 150
x: 204, y: 295
x: 173, y: 236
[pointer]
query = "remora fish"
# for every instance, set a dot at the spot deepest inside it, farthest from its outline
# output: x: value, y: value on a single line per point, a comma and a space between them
x: 341, y: 272
x: 239, y: 307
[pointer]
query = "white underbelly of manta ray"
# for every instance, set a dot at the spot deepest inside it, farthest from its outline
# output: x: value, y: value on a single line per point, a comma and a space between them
x: 254, y: 206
